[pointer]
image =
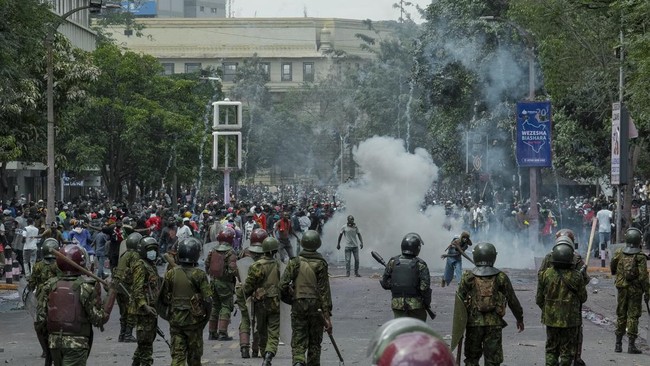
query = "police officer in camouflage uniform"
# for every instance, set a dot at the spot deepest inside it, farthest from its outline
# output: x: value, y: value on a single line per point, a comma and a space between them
x: 43, y: 271
x: 305, y: 286
x: 407, y: 277
x: 146, y: 285
x: 71, y: 305
x: 262, y: 284
x: 123, y: 278
x: 221, y: 264
x: 578, y: 265
x: 486, y: 291
x: 256, y: 252
x: 185, y: 301
x: 561, y: 290
x: 629, y: 265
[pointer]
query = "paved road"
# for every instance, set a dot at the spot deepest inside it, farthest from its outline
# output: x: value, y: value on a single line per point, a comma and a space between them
x: 360, y: 306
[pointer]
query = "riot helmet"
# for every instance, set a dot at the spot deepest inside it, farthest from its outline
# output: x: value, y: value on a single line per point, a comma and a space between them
x: 74, y: 253
x: 411, y: 244
x: 310, y: 240
x: 416, y: 349
x: 189, y: 251
x: 48, y: 248
x: 485, y: 254
x: 562, y: 253
x: 258, y: 236
x: 226, y: 235
x: 383, y: 339
x: 147, y: 244
x: 633, y: 237
x: 566, y: 232
x: 270, y: 244
x: 133, y: 240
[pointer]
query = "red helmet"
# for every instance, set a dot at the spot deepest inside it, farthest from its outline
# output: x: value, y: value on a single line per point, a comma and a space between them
x: 226, y: 235
x: 258, y: 236
x: 76, y: 254
x: 566, y: 232
x: 416, y: 349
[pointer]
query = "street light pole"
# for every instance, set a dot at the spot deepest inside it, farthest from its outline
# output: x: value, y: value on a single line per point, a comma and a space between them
x: 49, y: 40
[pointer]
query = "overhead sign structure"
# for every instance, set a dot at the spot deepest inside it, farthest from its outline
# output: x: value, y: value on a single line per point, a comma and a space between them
x: 534, y: 138
x: 227, y: 140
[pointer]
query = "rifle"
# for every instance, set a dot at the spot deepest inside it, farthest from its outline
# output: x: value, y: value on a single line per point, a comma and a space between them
x: 106, y: 284
x: 381, y: 261
x: 329, y: 333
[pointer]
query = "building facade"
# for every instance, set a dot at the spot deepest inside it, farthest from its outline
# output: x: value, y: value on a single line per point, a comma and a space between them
x: 292, y: 50
x: 176, y: 8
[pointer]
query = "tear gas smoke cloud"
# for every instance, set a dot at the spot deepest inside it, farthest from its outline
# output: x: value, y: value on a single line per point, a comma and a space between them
x: 386, y: 200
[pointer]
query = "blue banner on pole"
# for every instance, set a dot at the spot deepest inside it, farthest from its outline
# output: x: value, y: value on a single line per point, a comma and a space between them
x: 534, y: 134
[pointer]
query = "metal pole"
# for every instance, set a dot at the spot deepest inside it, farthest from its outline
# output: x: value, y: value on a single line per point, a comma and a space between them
x: 226, y: 186
x: 341, y: 159
x: 50, y: 126
x: 533, y: 226
x: 619, y: 190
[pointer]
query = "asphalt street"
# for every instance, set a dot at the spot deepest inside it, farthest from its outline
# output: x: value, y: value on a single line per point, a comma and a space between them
x: 360, y: 306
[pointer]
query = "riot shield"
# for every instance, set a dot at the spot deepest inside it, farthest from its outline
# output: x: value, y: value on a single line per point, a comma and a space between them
x: 242, y: 266
x: 285, y: 316
x: 122, y: 247
x: 29, y: 299
x: 459, y: 322
x: 207, y: 248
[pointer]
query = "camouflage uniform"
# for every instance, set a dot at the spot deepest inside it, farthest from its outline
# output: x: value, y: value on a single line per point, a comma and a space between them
x: 630, y: 293
x: 185, y: 291
x: 73, y: 349
x: 306, y: 322
x: 223, y: 291
x: 560, y: 294
x: 578, y: 263
x: 483, y: 333
x: 146, y: 285
x: 262, y: 284
x: 241, y: 302
x: 409, y: 306
x: 124, y: 276
x: 43, y: 271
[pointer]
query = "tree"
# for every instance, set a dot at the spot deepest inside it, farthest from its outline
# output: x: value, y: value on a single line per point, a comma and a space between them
x: 147, y: 120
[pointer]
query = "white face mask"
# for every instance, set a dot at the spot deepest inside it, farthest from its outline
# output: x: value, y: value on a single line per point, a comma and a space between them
x: 151, y: 255
x: 78, y: 230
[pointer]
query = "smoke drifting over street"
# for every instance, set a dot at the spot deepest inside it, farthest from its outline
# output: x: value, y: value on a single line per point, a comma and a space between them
x: 386, y: 203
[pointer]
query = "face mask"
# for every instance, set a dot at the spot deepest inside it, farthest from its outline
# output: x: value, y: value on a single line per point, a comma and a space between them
x: 151, y: 255
x: 77, y: 230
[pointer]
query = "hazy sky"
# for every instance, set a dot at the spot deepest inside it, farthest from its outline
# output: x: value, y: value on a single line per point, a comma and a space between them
x: 353, y: 9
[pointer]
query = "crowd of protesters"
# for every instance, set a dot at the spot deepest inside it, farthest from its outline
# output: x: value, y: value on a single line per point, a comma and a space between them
x: 100, y: 225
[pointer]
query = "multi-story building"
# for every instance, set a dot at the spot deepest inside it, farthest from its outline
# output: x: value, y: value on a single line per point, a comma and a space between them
x: 176, y: 8
x: 292, y: 50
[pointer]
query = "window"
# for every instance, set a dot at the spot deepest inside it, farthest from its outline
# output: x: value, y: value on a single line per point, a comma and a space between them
x: 168, y: 68
x: 229, y: 71
x: 286, y: 71
x: 266, y: 67
x: 214, y: 10
x: 191, y: 67
x: 308, y: 72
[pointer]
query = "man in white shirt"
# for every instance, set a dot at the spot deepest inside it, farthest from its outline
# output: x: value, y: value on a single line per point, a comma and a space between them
x: 29, y: 250
x: 604, y: 217
x: 184, y: 231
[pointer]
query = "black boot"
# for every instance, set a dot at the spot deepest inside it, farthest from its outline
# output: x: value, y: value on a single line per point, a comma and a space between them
x: 631, y: 347
x: 268, y: 356
x: 618, y: 347
x: 222, y: 336
x: 299, y: 364
x: 245, y: 352
x: 120, y: 338
x: 128, y: 335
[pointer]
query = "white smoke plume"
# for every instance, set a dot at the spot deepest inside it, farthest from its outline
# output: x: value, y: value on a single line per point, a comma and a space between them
x: 386, y: 203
